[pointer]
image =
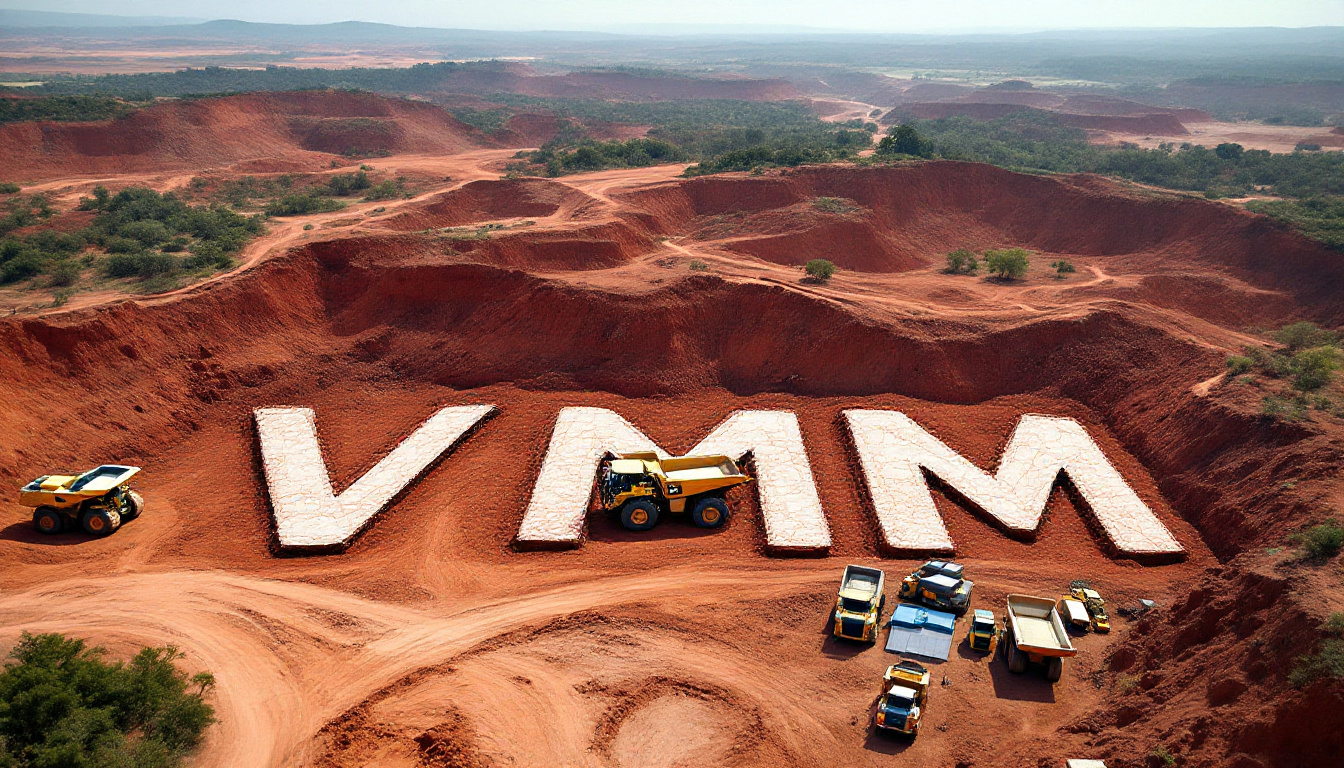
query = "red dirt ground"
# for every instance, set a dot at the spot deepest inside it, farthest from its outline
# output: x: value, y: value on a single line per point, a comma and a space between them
x: 433, y: 641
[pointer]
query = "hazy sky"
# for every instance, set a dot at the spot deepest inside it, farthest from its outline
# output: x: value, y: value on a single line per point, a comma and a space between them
x: 876, y: 15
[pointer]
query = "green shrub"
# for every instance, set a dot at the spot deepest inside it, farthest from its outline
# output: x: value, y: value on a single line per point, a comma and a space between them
x: 1284, y: 409
x: 1304, y: 335
x: 1062, y: 268
x: 8, y: 188
x: 147, y: 232
x: 343, y: 184
x: 383, y: 190
x: 819, y: 269
x: 302, y: 205
x: 698, y: 266
x: 1328, y: 662
x: 1239, y: 364
x: 1313, y: 368
x: 1009, y: 263
x: 1320, y: 542
x: 961, y: 262
x: 62, y: 705
x: 1163, y: 754
x: 63, y: 273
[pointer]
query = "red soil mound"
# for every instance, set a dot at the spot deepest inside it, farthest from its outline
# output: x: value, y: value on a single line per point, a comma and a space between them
x: 205, y: 133
x: 490, y: 200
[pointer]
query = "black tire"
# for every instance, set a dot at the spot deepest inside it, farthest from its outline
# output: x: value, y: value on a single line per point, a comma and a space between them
x: 639, y: 515
x: 48, y: 520
x: 135, y: 505
x: 1017, y: 660
x: 710, y: 512
x: 1054, y: 669
x: 100, y: 521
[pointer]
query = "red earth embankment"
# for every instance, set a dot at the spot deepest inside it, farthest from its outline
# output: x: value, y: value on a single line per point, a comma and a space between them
x: 205, y: 133
x: 1151, y: 123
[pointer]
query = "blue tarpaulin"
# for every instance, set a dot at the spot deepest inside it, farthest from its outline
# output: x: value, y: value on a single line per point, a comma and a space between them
x: 921, y: 631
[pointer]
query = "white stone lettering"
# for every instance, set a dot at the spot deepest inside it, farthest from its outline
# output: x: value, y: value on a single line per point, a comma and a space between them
x: 892, y: 449
x: 308, y: 513
x: 790, y: 506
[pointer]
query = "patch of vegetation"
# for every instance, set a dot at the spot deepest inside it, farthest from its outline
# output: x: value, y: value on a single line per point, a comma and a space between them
x: 905, y: 140
x: 698, y: 266
x: 961, y: 262
x: 1320, y: 218
x: 62, y: 108
x: 8, y: 188
x: 1062, y: 268
x: 1320, y: 542
x: 1307, y: 362
x: 302, y: 204
x: 1126, y: 683
x: 835, y: 205
x: 1163, y: 755
x: 1326, y: 663
x: 346, y: 184
x: 24, y: 211
x: 387, y: 189
x: 484, y: 120
x: 62, y: 705
x: 1239, y: 364
x: 1008, y: 263
x: 819, y: 270
x: 558, y: 159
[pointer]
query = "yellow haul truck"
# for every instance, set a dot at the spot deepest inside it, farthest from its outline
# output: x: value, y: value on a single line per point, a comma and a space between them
x: 99, y: 500
x: 1034, y: 633
x: 641, y: 488
x: 859, y: 604
x: 905, y: 687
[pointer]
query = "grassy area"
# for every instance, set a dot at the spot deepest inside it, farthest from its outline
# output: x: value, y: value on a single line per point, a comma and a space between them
x: 62, y: 108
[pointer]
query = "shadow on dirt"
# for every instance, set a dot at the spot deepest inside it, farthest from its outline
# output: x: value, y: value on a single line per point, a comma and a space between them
x: 24, y: 532
x: 1028, y: 686
x: 606, y: 527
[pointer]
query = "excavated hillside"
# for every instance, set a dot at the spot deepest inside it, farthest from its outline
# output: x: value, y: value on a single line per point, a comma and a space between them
x: 304, y: 127
x: 434, y: 641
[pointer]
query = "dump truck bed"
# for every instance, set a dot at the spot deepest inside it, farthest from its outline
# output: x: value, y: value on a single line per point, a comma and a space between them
x: 860, y: 583
x: 1037, y: 627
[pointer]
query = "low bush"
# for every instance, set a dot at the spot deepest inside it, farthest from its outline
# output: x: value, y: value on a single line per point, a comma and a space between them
x: 1008, y: 263
x: 1239, y: 364
x: 383, y: 190
x: 819, y: 269
x: 1062, y: 268
x: 1326, y: 663
x: 961, y: 262
x: 1320, y: 542
x: 302, y: 205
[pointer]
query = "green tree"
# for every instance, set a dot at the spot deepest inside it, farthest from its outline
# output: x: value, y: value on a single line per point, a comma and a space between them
x: 905, y: 140
x: 1313, y: 368
x: 1062, y: 268
x: 1229, y: 151
x: 1303, y: 335
x: 961, y: 262
x: 1008, y: 263
x: 819, y: 269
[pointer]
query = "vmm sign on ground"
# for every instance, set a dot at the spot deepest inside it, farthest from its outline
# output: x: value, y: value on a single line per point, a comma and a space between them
x: 893, y: 452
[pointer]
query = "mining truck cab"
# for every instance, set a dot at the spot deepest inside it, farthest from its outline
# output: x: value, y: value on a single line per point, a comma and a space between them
x: 939, y: 584
x: 642, y: 488
x: 98, y: 500
x: 984, y: 634
x: 899, y: 710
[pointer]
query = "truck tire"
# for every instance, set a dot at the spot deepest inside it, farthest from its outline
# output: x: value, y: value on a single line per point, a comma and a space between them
x: 135, y: 507
x: 1054, y: 669
x: 100, y: 521
x: 1017, y: 660
x: 639, y: 515
x: 48, y: 520
x: 710, y: 512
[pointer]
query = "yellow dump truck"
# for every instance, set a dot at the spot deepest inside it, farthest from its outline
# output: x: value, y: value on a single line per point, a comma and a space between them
x: 98, y: 500
x: 859, y: 604
x: 642, y: 488
x: 905, y: 687
x: 1034, y: 633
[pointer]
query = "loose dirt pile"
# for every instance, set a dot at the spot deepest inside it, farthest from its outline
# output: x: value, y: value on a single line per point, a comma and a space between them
x: 432, y: 641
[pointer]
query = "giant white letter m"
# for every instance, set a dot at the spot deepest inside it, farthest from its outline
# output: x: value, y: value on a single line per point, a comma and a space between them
x: 894, y: 452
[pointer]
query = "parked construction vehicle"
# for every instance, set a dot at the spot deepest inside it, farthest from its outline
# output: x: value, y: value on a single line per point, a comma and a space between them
x: 984, y: 634
x: 642, y: 488
x: 901, y: 706
x: 859, y: 604
x: 1074, y: 613
x: 98, y: 500
x: 939, y: 584
x: 1096, y: 606
x: 1034, y: 634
